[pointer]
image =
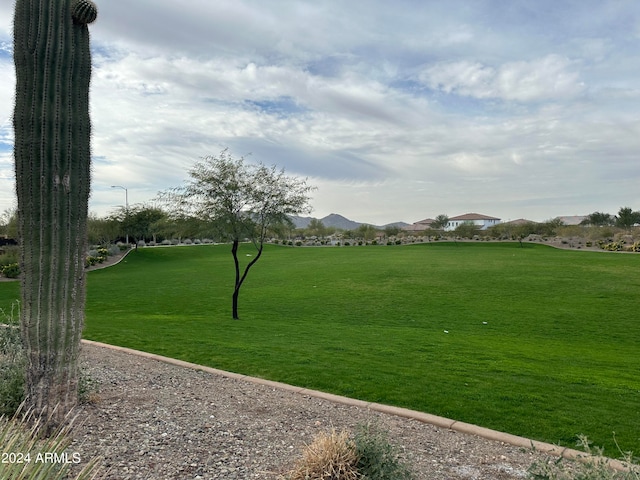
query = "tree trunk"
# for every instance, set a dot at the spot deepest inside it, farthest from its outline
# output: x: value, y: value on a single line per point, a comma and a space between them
x: 52, y: 162
x: 236, y: 285
x: 240, y: 279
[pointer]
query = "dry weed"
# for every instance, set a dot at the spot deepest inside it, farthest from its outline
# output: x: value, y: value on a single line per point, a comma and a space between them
x: 331, y: 456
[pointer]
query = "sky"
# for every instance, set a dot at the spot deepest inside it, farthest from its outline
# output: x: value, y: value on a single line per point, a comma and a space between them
x: 395, y: 111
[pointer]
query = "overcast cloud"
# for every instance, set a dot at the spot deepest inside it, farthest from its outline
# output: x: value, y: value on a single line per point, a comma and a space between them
x: 395, y: 110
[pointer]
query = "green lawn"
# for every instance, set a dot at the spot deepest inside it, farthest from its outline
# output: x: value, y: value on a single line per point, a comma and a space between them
x: 541, y: 342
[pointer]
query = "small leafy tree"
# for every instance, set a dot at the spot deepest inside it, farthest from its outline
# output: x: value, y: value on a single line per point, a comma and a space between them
x: 139, y: 221
x: 599, y: 219
x: 440, y: 222
x: 467, y: 230
x: 102, y: 231
x: 316, y: 228
x: 246, y: 201
x: 367, y: 232
x: 627, y: 218
x: 9, y: 224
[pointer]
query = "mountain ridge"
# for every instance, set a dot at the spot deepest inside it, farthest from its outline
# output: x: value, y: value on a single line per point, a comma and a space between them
x: 335, y: 220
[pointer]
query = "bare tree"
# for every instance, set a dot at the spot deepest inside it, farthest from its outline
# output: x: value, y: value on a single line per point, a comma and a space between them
x: 245, y: 200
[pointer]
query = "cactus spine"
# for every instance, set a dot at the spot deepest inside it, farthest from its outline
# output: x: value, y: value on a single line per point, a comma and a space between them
x: 52, y: 163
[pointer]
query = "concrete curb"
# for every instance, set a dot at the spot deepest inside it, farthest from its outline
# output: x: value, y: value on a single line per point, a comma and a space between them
x: 435, y: 420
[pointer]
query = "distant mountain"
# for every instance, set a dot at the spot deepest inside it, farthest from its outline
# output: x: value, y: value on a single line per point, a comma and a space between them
x: 338, y: 221
x: 335, y: 220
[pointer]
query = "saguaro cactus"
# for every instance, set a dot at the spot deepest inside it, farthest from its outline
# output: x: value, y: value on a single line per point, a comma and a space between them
x: 52, y: 161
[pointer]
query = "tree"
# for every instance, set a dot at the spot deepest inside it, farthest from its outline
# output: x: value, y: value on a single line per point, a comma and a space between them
x: 599, y: 219
x: 52, y: 165
x: 139, y: 221
x: 9, y: 224
x: 367, y: 232
x: 549, y: 227
x: 391, y: 230
x: 440, y: 222
x: 246, y: 201
x: 102, y: 231
x: 467, y: 229
x: 316, y: 228
x: 627, y: 218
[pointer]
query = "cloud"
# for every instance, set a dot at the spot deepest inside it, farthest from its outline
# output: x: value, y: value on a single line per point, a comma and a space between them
x: 549, y: 78
x: 400, y: 110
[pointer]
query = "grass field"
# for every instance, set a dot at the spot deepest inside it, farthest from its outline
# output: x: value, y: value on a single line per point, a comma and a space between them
x: 541, y: 342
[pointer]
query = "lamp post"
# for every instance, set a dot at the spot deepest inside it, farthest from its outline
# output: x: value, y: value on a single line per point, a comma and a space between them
x: 126, y: 207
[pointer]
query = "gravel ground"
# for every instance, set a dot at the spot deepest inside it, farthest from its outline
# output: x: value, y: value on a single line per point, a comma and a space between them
x: 152, y: 420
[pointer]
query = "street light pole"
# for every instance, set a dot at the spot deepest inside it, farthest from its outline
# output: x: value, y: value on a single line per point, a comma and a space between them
x: 126, y: 206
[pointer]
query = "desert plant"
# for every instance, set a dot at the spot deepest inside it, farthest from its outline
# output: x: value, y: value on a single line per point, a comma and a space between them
x: 29, y: 457
x: 378, y: 459
x: 9, y: 255
x: 331, y: 456
x: 594, y: 466
x: 52, y: 128
x: 88, y: 388
x: 12, y: 361
x: 365, y: 455
x: 11, y: 270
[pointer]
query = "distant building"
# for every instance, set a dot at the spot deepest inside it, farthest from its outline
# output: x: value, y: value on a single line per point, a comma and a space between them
x: 482, y: 221
x: 519, y: 221
x: 572, y: 219
x: 420, y: 226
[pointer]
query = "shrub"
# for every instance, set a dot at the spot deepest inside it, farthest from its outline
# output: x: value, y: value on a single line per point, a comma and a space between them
x: 123, y: 246
x: 594, y: 467
x: 88, y: 391
x: 366, y: 455
x: 113, y: 250
x: 9, y: 255
x: 12, y: 361
x: 91, y: 261
x: 10, y: 271
x: 330, y: 456
x: 187, y: 241
x: 166, y: 242
x: 98, y: 255
x: 377, y: 458
x: 612, y: 246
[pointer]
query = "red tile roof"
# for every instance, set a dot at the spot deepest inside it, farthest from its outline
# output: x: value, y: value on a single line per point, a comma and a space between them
x: 472, y: 216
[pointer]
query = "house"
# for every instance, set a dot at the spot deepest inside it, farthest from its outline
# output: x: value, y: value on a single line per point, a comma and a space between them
x: 572, y: 219
x: 518, y: 222
x: 482, y: 221
x: 420, y: 226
